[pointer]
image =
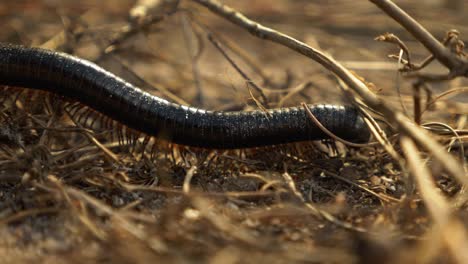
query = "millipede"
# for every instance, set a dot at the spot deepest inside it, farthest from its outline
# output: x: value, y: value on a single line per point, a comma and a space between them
x: 84, y: 82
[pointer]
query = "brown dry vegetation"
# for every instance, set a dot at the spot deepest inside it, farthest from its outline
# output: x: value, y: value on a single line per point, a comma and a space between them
x: 71, y: 195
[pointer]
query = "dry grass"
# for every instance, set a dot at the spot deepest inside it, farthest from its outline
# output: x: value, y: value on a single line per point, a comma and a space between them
x: 70, y: 194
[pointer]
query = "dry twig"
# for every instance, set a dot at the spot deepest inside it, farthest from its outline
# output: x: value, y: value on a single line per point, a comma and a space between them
x: 436, y: 203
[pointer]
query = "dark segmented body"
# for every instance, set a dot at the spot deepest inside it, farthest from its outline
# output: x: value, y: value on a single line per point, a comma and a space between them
x: 91, y: 85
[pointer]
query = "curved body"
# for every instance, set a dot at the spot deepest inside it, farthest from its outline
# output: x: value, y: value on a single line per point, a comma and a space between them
x: 83, y: 81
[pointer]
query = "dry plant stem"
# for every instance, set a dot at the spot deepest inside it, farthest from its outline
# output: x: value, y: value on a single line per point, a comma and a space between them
x: 420, y: 66
x: 303, y: 86
x: 45, y: 133
x: 242, y: 54
x: 194, y: 47
x: 76, y: 207
x: 391, y: 38
x: 65, y: 39
x: 139, y: 21
x: 127, y: 32
x: 315, y: 211
x: 417, y: 102
x: 442, y: 54
x: 381, y: 138
x: 420, y: 136
x: 154, y: 243
x: 153, y: 13
x: 382, y: 197
x: 329, y: 133
x: 452, y: 141
x: 398, y: 84
x: 188, y: 179
x: 157, y: 87
x: 248, y: 80
x: 167, y: 190
x: 223, y: 223
x: 452, y: 92
x: 108, y: 153
x: 251, y: 62
x: 27, y: 213
x: 452, y: 231
x: 428, y: 92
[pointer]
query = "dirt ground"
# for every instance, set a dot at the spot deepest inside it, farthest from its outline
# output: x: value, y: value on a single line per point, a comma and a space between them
x: 74, y: 196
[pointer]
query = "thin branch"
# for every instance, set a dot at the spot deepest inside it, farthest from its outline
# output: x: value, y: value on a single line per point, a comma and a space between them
x: 140, y: 20
x: 392, y: 38
x: 442, y: 54
x: 445, y: 94
x: 247, y: 79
